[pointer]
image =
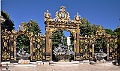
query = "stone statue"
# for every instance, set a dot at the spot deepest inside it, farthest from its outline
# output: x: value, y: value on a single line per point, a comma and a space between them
x: 63, y: 52
x: 23, y: 54
x: 22, y: 27
x: 47, y: 15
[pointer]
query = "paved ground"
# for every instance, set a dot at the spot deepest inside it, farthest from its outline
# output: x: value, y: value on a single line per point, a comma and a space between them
x: 79, y: 67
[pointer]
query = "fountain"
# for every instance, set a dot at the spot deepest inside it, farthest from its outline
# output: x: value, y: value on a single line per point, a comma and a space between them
x: 101, y: 55
x: 63, y: 52
x: 23, y: 56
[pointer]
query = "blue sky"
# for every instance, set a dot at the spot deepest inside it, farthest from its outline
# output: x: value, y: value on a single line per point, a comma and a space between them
x: 101, y: 12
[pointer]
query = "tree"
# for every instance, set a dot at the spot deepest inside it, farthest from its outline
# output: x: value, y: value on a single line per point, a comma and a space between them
x: 100, y: 43
x: 8, y: 24
x: 85, y: 27
x: 33, y: 27
x: 23, y: 41
x: 94, y: 29
x: 109, y: 31
x: 56, y: 38
x: 117, y: 33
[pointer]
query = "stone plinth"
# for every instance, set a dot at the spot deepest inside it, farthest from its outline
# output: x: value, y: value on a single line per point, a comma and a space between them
x: 85, y: 61
x: 65, y: 63
x: 24, y: 61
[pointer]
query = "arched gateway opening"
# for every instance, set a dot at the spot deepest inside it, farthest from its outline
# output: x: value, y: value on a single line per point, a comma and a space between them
x: 62, y: 46
x: 62, y: 21
x: 100, y: 48
x: 20, y: 44
x: 22, y: 47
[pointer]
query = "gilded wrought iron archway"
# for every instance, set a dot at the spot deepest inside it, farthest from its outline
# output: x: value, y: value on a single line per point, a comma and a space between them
x: 62, y: 21
x: 91, y: 40
x: 9, y: 44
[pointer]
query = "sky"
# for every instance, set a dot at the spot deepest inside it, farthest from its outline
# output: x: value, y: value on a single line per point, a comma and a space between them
x: 101, y: 12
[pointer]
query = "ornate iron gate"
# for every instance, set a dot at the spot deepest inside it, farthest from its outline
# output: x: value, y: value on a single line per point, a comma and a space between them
x: 9, y: 44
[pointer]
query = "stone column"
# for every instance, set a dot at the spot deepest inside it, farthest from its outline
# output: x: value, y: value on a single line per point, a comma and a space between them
x: 74, y: 43
x: 1, y: 20
x: 50, y: 42
x: 0, y: 42
x: 77, y: 38
x: 107, y: 51
x: 93, y: 50
x: 74, y: 46
x: 77, y: 43
x: 47, y: 42
x: 31, y: 49
x: 14, y: 50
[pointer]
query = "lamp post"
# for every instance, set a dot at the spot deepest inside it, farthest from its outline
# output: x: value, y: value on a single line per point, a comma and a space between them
x: 1, y: 20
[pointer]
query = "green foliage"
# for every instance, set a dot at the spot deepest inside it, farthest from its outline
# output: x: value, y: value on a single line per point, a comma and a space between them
x: 56, y: 38
x: 8, y: 24
x: 5, y: 14
x: 94, y: 29
x: 117, y: 33
x: 100, y: 43
x: 109, y: 31
x: 85, y: 27
x: 23, y: 41
x: 33, y: 27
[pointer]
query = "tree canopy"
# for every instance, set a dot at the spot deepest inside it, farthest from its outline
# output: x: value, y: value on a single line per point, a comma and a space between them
x: 56, y: 38
x: 109, y: 31
x: 8, y: 24
x: 85, y: 27
x: 23, y: 40
x: 100, y: 43
x: 33, y: 27
x: 117, y: 33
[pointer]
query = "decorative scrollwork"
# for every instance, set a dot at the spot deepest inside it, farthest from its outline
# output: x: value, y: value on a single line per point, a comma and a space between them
x: 62, y: 16
x: 100, y: 31
x: 22, y: 27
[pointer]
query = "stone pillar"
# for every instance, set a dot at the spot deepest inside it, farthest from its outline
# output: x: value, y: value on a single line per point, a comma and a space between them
x: 50, y: 42
x: 1, y: 20
x: 93, y: 50
x: 14, y: 50
x: 77, y: 43
x: 77, y: 37
x: 47, y: 42
x: 107, y: 51
x: 0, y: 43
x: 31, y: 49
x: 75, y: 47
